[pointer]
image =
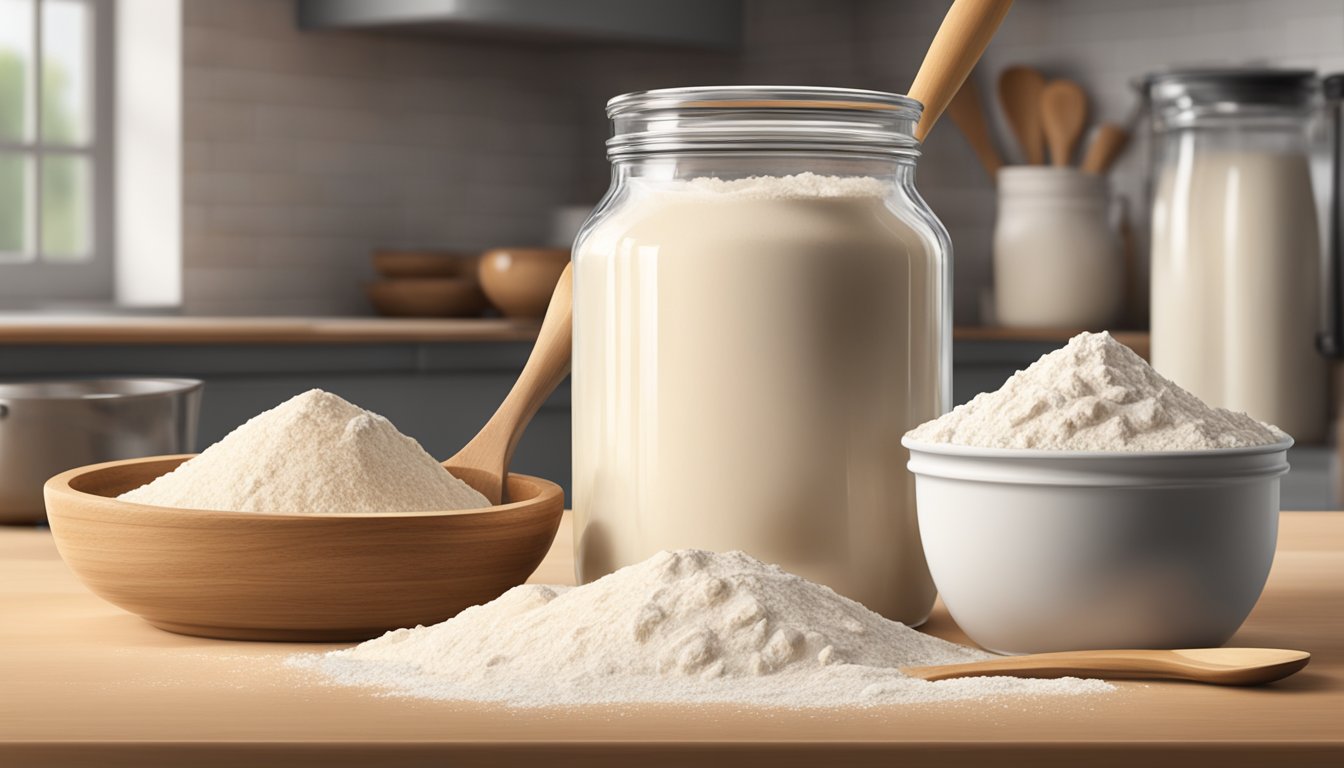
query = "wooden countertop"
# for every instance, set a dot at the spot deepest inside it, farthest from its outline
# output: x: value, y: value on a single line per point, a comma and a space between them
x: 112, y: 329
x: 171, y: 329
x: 82, y: 683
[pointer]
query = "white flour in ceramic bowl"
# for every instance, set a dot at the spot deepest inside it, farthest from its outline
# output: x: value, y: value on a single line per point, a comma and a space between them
x: 313, y: 454
x: 1094, y: 394
x: 681, y: 627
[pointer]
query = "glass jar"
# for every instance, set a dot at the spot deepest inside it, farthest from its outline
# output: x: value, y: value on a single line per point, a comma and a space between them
x: 1236, y: 243
x: 762, y: 309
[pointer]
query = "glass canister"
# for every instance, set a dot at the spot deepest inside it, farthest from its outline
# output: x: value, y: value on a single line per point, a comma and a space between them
x: 1236, y: 243
x: 762, y: 309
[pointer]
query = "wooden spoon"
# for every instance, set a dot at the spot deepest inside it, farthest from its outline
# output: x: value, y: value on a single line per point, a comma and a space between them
x: 1063, y: 115
x: 958, y: 45
x: 1107, y: 144
x: 1020, y: 96
x: 966, y: 111
x: 1220, y: 666
x: 484, y: 462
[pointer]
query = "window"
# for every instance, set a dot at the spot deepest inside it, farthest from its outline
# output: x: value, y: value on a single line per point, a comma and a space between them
x: 55, y: 150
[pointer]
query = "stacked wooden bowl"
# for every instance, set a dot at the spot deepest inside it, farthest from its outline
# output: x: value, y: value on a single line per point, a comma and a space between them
x: 420, y: 283
x: 519, y: 281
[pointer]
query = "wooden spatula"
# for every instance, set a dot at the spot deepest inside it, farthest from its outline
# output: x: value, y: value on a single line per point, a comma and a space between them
x: 1020, y: 96
x: 1108, y: 142
x: 1220, y: 666
x: 966, y: 111
x: 958, y: 45
x: 1063, y: 115
x: 486, y: 458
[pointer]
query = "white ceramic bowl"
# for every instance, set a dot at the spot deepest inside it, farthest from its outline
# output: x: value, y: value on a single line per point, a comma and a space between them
x: 1036, y: 551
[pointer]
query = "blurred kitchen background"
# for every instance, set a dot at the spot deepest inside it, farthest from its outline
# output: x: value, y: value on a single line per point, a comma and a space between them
x: 204, y: 183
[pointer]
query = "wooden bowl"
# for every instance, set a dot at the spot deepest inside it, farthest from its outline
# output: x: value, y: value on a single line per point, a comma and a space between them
x: 520, y: 281
x: 427, y: 297
x: 262, y: 576
x: 395, y: 263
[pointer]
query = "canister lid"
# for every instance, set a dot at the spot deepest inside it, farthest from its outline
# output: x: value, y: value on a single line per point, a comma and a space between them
x: 1230, y: 88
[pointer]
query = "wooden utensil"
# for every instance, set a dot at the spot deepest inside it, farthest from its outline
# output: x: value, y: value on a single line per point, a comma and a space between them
x: 958, y: 45
x: 966, y: 111
x: 277, y: 576
x: 484, y: 462
x: 1219, y: 666
x: 1020, y: 96
x: 1107, y: 144
x: 1063, y: 116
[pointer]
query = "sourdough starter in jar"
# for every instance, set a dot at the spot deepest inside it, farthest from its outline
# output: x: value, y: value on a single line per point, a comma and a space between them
x: 747, y: 355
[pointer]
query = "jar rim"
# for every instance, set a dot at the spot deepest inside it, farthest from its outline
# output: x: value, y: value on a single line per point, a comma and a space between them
x: 763, y: 118
x: 793, y: 97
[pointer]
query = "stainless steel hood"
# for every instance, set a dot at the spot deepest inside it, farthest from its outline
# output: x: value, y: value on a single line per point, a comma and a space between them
x: 711, y: 24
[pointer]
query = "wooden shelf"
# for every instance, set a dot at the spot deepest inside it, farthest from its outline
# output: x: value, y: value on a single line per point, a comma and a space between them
x: 38, y: 329
x: 113, y: 329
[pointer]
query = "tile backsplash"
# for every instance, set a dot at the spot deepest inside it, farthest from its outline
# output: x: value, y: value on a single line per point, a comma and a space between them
x: 306, y: 150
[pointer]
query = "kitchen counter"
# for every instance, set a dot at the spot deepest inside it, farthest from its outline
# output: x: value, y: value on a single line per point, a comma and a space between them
x: 82, y: 683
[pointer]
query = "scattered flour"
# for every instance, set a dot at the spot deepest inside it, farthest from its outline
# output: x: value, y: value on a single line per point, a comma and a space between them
x: 1094, y: 394
x: 313, y: 454
x: 681, y: 627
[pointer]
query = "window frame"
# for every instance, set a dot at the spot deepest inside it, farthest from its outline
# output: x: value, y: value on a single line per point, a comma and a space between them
x: 37, y: 281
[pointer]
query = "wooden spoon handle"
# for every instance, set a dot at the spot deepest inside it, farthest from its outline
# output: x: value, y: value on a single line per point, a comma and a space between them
x: 1020, y: 96
x: 966, y: 30
x: 1107, y: 144
x: 491, y: 450
x: 966, y: 111
x: 1221, y: 666
x: 1064, y: 116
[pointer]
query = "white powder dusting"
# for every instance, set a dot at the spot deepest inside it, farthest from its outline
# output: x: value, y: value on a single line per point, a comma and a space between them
x: 802, y: 186
x: 313, y: 454
x: 1095, y: 394
x: 681, y: 627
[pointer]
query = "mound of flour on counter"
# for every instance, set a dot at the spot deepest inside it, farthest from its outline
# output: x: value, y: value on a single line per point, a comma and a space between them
x: 1094, y: 394
x: 681, y: 627
x: 312, y: 454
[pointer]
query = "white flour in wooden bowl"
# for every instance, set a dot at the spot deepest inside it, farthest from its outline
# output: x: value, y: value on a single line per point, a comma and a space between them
x: 1094, y: 394
x: 681, y: 627
x: 312, y: 454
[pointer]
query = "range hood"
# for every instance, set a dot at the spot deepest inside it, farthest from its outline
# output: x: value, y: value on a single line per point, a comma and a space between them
x: 710, y: 24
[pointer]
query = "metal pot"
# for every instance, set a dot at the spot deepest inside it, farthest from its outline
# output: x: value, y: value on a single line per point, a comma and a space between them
x: 47, y: 427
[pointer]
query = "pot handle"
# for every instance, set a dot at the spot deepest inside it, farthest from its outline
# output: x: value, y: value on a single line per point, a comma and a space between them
x: 1330, y: 338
